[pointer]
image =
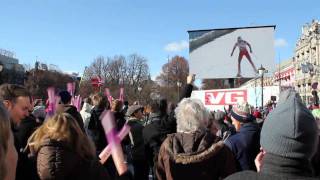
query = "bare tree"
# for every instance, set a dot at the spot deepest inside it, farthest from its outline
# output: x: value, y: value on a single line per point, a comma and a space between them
x: 131, y: 72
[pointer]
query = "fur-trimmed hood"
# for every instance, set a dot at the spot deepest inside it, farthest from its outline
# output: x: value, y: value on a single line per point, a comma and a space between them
x: 187, y: 148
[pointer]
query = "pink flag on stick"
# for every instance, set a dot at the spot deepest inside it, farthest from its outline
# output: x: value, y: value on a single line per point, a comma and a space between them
x: 108, y: 124
x: 105, y: 154
x: 52, y: 101
x: 71, y: 87
x: 121, y: 96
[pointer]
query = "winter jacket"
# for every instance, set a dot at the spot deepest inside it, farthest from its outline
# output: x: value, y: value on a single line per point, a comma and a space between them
x: 56, y: 160
x: 277, y: 168
x: 86, y: 114
x: 119, y: 120
x: 197, y: 155
x: 25, y: 166
x: 136, y: 139
x: 245, y: 145
x: 95, y: 129
x: 155, y: 133
x: 72, y: 110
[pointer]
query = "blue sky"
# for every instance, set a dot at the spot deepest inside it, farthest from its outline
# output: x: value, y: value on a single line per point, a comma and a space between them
x: 71, y: 33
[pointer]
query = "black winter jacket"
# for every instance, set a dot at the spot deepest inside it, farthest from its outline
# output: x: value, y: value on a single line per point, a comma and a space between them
x: 95, y: 129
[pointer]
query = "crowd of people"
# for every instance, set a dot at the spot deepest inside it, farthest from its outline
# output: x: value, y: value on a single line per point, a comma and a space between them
x: 165, y: 141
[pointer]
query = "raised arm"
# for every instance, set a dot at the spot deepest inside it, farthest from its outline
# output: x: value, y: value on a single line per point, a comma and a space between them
x: 188, y: 89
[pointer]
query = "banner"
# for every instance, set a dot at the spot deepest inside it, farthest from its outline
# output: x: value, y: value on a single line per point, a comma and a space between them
x: 231, y: 53
x: 217, y: 99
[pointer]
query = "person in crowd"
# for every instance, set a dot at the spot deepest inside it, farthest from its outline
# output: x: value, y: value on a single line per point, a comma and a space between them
x: 8, y: 153
x: 245, y: 143
x: 171, y: 107
x: 258, y: 117
x: 157, y: 130
x: 25, y: 166
x: 125, y: 107
x: 86, y: 112
x: 217, y: 123
x: 289, y: 139
x: 137, y: 150
x: 116, y: 108
x: 17, y: 101
x: 95, y: 129
x: 64, y: 105
x: 63, y: 151
x: 193, y: 152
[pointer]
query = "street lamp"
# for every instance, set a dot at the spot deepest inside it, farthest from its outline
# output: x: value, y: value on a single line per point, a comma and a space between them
x: 261, y: 71
x: 179, y: 84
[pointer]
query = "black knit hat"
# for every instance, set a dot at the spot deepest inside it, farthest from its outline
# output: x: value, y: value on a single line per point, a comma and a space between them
x: 290, y: 129
x: 65, y: 97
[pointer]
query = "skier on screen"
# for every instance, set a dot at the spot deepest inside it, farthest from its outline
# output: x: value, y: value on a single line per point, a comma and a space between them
x: 242, y: 45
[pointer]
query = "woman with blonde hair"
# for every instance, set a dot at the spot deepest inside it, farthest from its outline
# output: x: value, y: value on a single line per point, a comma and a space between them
x: 63, y: 151
x: 8, y: 153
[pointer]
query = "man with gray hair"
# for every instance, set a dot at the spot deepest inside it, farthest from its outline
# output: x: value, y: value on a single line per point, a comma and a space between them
x: 193, y: 152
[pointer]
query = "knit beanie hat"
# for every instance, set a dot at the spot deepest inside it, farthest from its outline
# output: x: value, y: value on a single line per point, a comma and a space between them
x: 242, y: 112
x: 132, y: 109
x: 290, y: 129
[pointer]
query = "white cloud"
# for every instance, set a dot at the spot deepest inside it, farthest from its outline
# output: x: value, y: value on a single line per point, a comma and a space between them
x: 176, y: 46
x: 280, y: 42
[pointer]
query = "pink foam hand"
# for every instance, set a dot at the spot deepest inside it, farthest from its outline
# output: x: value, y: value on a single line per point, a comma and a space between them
x: 108, y: 124
x: 108, y: 95
x: 121, y: 96
x: 77, y: 102
x: 52, y: 101
x: 105, y: 154
x: 71, y: 86
x: 72, y: 101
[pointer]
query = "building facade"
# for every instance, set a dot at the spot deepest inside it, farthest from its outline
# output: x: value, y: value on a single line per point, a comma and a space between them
x: 284, y: 77
x: 9, y: 62
x: 11, y: 71
x: 307, y: 60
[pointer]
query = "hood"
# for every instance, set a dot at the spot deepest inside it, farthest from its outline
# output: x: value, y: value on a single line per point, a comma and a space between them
x: 86, y: 107
x: 186, y: 148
